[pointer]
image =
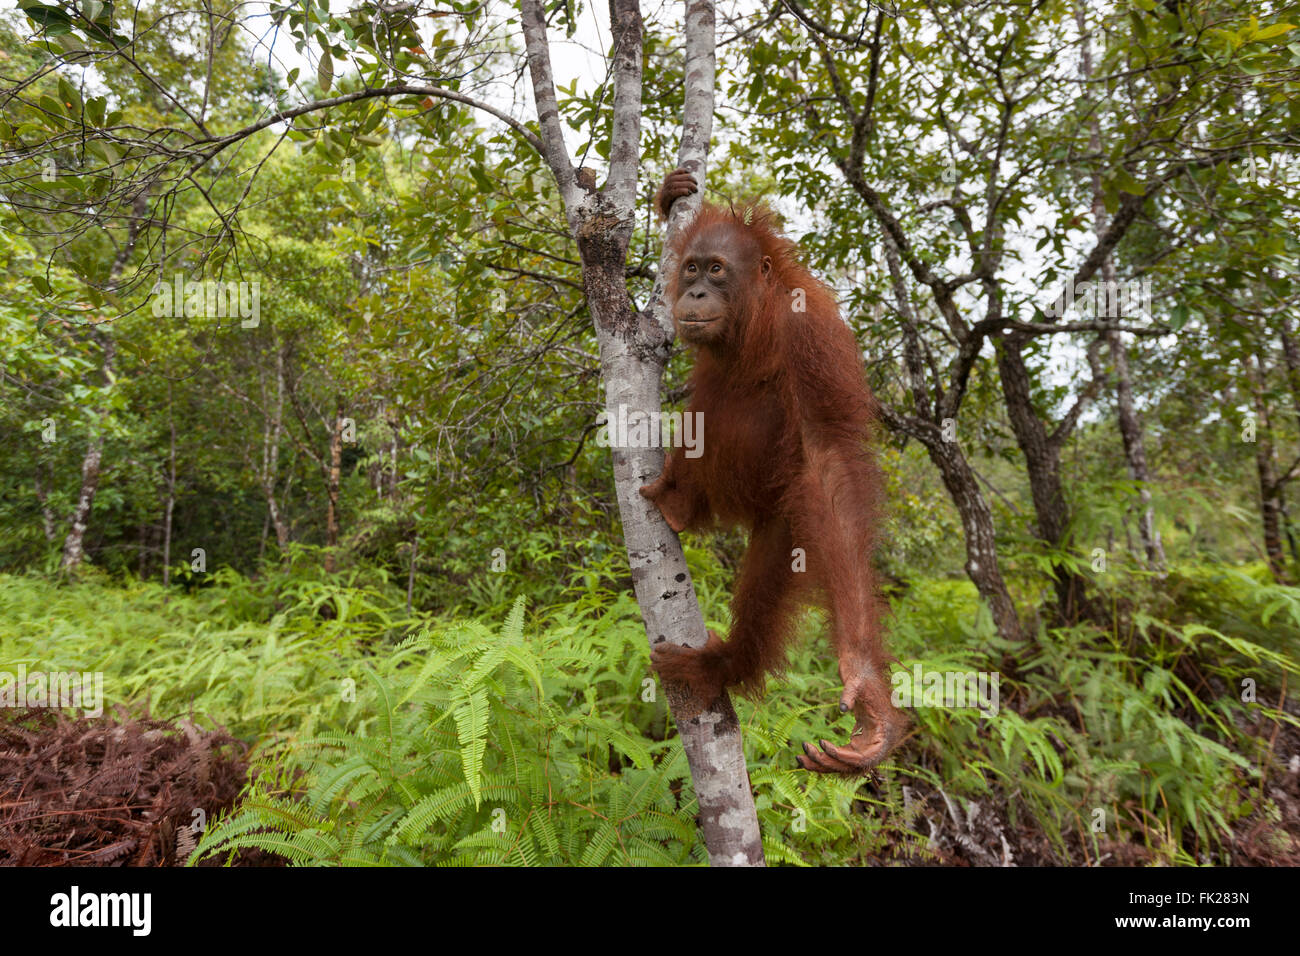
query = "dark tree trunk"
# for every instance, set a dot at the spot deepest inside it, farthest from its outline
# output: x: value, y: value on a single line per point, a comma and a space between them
x: 1270, y: 506
x: 977, y: 525
x: 1130, y: 425
x: 1291, y: 355
x: 410, y: 575
x: 1043, y: 464
x: 332, y: 515
x: 928, y: 427
x: 1270, y: 489
x: 171, y: 491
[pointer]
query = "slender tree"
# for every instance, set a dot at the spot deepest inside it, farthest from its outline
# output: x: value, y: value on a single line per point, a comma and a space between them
x: 633, y: 353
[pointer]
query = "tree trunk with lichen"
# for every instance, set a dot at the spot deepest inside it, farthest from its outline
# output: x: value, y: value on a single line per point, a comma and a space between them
x: 633, y: 352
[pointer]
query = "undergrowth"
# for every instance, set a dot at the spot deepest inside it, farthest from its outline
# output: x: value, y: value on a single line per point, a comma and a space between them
x: 536, y: 735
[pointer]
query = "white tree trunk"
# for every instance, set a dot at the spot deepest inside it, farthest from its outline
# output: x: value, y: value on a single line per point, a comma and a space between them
x: 633, y: 352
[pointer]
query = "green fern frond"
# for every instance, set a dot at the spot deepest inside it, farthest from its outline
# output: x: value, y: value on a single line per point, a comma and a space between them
x: 471, y: 715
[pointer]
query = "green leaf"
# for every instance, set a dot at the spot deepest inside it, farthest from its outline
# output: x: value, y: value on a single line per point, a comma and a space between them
x: 106, y: 149
x: 1139, y: 25
x: 325, y: 71
x: 481, y: 180
x: 1277, y: 29
x: 70, y: 98
x: 51, y: 106
x: 47, y: 17
x: 1125, y: 181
